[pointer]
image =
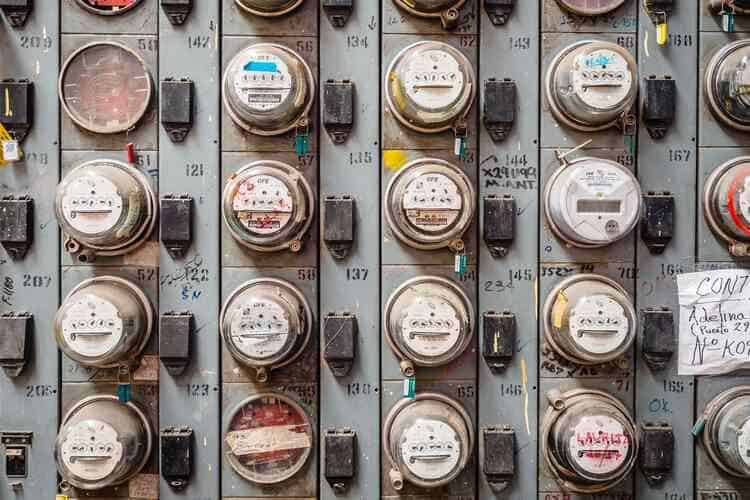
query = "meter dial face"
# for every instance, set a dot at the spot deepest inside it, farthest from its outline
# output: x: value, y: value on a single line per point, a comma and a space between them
x: 430, y: 203
x: 268, y: 206
x: 430, y: 86
x: 594, y: 438
x: 726, y: 435
x: 429, y: 439
x: 102, y: 442
x: 590, y: 7
x: 268, y: 89
x: 591, y: 84
x: 105, y: 87
x: 429, y: 320
x: 589, y: 319
x: 269, y: 438
x: 268, y: 8
x: 103, y: 322
x: 107, y: 206
x: 726, y: 203
x: 108, y: 7
x: 266, y: 322
x: 592, y: 202
x: 727, y: 84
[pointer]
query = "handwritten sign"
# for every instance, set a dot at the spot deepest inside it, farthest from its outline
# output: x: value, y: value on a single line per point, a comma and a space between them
x: 714, y: 322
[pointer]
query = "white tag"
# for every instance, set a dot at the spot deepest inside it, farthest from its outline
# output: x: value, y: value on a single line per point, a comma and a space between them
x: 11, y: 151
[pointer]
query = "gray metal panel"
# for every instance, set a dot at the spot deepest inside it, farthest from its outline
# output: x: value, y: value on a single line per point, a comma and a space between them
x: 144, y: 135
x: 510, y: 282
x: 352, y: 168
x: 141, y: 20
x: 23, y: 408
x: 664, y: 166
x: 193, y: 282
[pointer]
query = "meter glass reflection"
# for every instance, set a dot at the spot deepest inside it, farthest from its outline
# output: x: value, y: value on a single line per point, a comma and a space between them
x: 268, y: 8
x: 590, y: 7
x: 108, y: 7
x: 105, y: 87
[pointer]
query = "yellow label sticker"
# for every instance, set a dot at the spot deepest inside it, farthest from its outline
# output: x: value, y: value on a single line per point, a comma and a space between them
x: 662, y: 33
x: 393, y: 159
x: 558, y: 310
x: 61, y: 497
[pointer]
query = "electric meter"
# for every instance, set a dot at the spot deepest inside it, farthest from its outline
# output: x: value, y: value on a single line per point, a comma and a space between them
x: 728, y: 85
x: 726, y: 204
x: 592, y: 85
x: 428, y: 321
x: 268, y: 206
x: 268, y: 8
x: 105, y: 207
x: 430, y: 87
x: 428, y: 440
x: 726, y: 434
x: 589, y: 440
x: 446, y: 10
x: 103, y: 322
x: 590, y: 7
x: 430, y: 204
x: 592, y: 202
x: 270, y: 438
x: 729, y: 8
x: 108, y: 7
x: 268, y: 89
x: 589, y: 319
x: 102, y: 442
x: 266, y: 324
x: 105, y: 87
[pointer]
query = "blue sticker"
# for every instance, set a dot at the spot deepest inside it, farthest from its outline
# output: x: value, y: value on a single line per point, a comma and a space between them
x: 599, y: 60
x: 267, y: 67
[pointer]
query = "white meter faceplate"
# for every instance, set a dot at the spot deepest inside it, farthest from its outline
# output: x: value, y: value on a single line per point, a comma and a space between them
x: 429, y: 321
x: 591, y: 84
x: 105, y: 87
x: 269, y: 439
x: 592, y: 202
x: 102, y: 442
x: 726, y: 435
x: 268, y: 206
x: 430, y: 203
x: 590, y: 7
x: 589, y: 319
x: 266, y: 323
x: 268, y: 89
x: 726, y: 204
x: 105, y: 206
x: 103, y: 322
x: 430, y: 86
x: 589, y: 439
x: 428, y: 440
x: 728, y: 85
x: 268, y: 8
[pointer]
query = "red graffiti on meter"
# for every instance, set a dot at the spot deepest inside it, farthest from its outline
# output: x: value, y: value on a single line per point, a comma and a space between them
x: 264, y: 204
x: 599, y: 444
x: 269, y: 436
